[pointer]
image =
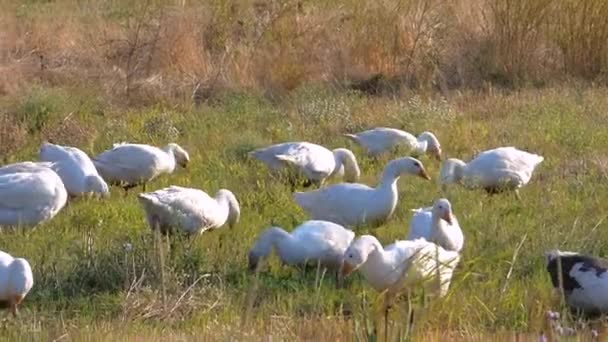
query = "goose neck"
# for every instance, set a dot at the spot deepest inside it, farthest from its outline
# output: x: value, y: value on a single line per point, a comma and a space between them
x: 389, y: 178
x: 170, y: 157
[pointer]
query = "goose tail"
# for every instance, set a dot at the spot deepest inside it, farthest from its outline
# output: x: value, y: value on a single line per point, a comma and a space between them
x: 303, y: 199
x: 147, y: 198
x: 286, y: 158
x: 352, y: 137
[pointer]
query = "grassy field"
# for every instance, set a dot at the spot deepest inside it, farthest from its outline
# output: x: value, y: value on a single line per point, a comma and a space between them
x: 87, y: 284
x: 221, y: 78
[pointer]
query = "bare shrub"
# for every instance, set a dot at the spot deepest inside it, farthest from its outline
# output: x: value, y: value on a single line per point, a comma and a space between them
x: 13, y: 135
x: 152, y: 51
x: 581, y: 31
x: 161, y: 128
x: 70, y: 131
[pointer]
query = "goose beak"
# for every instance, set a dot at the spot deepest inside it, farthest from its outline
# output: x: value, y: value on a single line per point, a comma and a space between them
x: 424, y: 174
x: 447, y: 218
x: 346, y: 269
x: 438, y: 155
x: 253, y: 263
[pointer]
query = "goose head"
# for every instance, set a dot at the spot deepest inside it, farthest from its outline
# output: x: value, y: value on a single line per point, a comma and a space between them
x: 181, y: 156
x: 451, y: 172
x: 432, y: 144
x: 97, y: 185
x: 408, y: 165
x: 443, y: 210
x: 234, y: 209
x: 347, y: 158
x: 263, y: 246
x: 357, y: 253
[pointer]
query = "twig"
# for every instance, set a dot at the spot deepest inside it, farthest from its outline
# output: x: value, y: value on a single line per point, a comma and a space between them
x: 515, y: 253
x: 176, y: 305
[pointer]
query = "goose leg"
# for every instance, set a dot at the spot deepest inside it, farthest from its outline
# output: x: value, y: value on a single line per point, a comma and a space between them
x: 517, y: 195
x: 307, y: 183
x: 339, y: 280
x: 387, y: 308
x: 14, y: 310
x: 13, y: 305
x: 321, y: 183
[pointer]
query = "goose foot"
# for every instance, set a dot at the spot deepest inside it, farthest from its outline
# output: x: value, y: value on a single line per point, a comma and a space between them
x: 13, y: 305
x: 517, y: 195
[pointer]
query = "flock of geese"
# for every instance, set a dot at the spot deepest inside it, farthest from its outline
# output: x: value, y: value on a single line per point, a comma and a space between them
x: 34, y: 192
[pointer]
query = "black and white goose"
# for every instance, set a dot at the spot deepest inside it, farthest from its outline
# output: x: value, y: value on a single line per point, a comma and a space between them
x: 584, y: 280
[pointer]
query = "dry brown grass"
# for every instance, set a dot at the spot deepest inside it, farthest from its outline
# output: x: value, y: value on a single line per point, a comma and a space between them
x: 70, y: 131
x: 142, y: 52
x: 12, y: 135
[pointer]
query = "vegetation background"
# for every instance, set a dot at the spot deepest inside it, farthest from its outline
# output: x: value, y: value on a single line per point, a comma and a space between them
x: 223, y: 77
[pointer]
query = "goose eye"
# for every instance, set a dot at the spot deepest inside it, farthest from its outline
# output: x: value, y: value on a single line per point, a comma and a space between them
x: 350, y: 256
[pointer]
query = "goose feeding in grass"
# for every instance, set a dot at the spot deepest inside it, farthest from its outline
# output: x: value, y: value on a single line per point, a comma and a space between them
x: 16, y: 280
x: 75, y: 168
x: 402, y: 265
x: 129, y: 165
x: 315, y: 162
x: 311, y: 242
x: 30, y: 193
x: 503, y: 168
x: 353, y: 204
x: 189, y: 210
x: 583, y: 278
x: 437, y: 224
x: 379, y: 140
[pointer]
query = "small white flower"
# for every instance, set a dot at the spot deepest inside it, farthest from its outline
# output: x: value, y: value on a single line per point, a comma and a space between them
x: 128, y: 247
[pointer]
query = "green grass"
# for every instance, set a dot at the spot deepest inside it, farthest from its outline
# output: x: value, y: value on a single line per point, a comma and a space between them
x: 87, y: 285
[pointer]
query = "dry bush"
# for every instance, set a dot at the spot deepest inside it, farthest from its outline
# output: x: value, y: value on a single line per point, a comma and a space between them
x: 70, y: 131
x: 13, y: 135
x: 151, y: 51
x: 515, y: 28
x: 581, y: 30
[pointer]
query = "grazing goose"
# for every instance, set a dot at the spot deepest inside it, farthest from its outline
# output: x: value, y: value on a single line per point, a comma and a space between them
x: 315, y: 162
x: 30, y: 193
x: 75, y: 168
x: 437, y: 224
x: 401, y: 265
x: 129, y: 165
x: 352, y: 204
x: 379, y: 140
x: 503, y: 168
x: 16, y: 280
x: 584, y: 280
x: 190, y: 210
x: 311, y: 242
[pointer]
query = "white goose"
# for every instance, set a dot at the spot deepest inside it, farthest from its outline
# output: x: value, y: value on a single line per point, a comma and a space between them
x: 437, y: 224
x: 402, y: 265
x: 30, y: 193
x: 503, y: 168
x: 75, y: 168
x: 379, y: 140
x: 16, y: 280
x: 352, y: 205
x: 312, y: 241
x: 190, y: 210
x: 129, y: 165
x: 315, y: 162
x: 584, y: 280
